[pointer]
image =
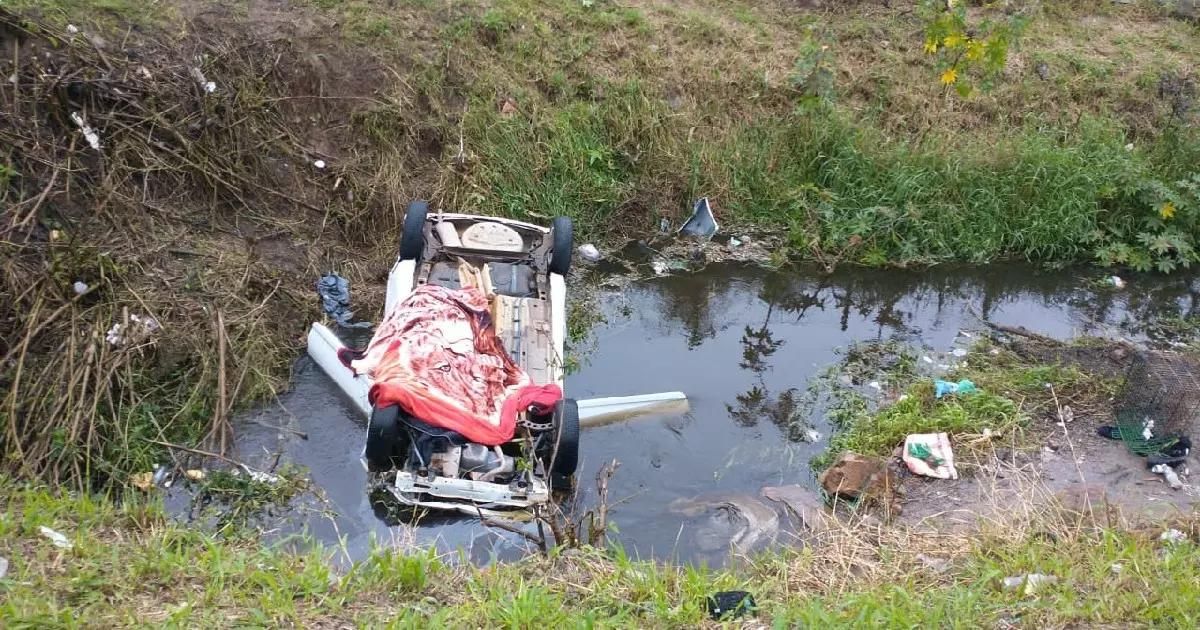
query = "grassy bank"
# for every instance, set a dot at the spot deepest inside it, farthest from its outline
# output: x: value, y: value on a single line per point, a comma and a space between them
x: 130, y: 567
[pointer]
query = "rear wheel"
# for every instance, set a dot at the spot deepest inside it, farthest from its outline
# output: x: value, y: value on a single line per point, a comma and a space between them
x: 412, y: 239
x: 562, y: 231
x: 385, y: 444
x: 562, y: 457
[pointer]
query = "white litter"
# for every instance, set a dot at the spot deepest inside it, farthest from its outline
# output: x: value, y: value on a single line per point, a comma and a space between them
x: 1129, y: 147
x: 1116, y: 569
x: 735, y: 243
x: 659, y: 267
x: 207, y: 85
x: 1173, y: 536
x: 959, y: 352
x: 90, y: 134
x: 79, y: 287
x: 1031, y: 582
x: 1169, y: 475
x: 3, y: 568
x: 72, y: 29
x: 319, y: 164
x: 875, y: 386
x: 938, y: 460
x: 588, y: 252
x: 812, y: 436
x: 58, y: 539
x: 1117, y: 282
x: 927, y: 359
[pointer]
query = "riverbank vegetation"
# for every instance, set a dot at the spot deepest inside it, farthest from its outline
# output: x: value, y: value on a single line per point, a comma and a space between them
x: 130, y: 566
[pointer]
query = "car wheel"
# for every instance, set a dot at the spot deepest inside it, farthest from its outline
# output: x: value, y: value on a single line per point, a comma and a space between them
x: 412, y: 239
x: 385, y: 446
x: 564, y: 450
x: 562, y: 231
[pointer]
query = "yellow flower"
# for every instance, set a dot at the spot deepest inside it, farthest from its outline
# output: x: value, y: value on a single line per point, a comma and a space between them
x: 949, y: 76
x: 1167, y: 211
x: 952, y: 41
x: 974, y: 51
x: 931, y: 46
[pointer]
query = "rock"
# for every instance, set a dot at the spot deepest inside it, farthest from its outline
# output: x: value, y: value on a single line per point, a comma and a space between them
x: 933, y: 563
x: 589, y: 253
x: 855, y: 476
x: 801, y: 502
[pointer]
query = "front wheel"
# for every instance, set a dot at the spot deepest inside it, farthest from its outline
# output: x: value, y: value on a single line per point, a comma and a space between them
x: 562, y: 233
x: 385, y: 445
x: 412, y: 239
x: 563, y: 453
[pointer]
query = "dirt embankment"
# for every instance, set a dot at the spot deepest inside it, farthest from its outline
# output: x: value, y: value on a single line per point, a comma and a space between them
x: 168, y: 202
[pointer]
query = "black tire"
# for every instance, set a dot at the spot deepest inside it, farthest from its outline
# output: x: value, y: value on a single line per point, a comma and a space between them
x: 385, y: 443
x: 412, y: 239
x: 566, y: 439
x: 562, y: 231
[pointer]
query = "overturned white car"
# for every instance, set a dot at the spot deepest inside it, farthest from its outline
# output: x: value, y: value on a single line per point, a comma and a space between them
x: 463, y: 377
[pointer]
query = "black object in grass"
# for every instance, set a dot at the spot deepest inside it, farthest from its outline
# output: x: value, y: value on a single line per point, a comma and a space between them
x: 730, y: 605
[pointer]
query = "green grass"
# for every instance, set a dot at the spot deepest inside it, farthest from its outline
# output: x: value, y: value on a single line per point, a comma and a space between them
x: 1012, y: 392
x: 131, y: 567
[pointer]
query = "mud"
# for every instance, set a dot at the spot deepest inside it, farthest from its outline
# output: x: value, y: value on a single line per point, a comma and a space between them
x: 744, y: 343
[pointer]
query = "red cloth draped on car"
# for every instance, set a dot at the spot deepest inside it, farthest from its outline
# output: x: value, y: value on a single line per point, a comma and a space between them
x: 436, y: 354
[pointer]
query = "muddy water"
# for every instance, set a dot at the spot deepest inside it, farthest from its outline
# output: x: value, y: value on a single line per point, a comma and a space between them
x: 743, y: 344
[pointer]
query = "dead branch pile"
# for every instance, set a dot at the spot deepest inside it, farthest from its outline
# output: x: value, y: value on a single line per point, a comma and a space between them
x: 137, y: 184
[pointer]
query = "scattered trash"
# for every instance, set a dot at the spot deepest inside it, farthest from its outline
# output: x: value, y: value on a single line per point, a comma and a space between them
x: 1116, y: 569
x: 1169, y: 476
x: 319, y: 164
x: 927, y: 359
x: 208, y: 86
x: 875, y: 386
x: 933, y: 563
x: 588, y: 252
x: 730, y: 605
x: 194, y: 475
x: 508, y: 108
x: 139, y: 329
x: 929, y: 454
x: 1116, y: 281
x: 659, y: 267
x: 72, y: 29
x: 1031, y: 583
x: 142, y: 481
x: 1173, y: 536
x: 160, y: 474
x: 58, y: 539
x: 959, y: 352
x: 943, y: 388
x: 812, y: 436
x: 663, y: 267
x: 735, y: 242
x: 1129, y: 147
x: 93, y: 138
x: 3, y: 568
x: 144, y: 72
x: 261, y: 477
x: 79, y: 287
x: 702, y: 223
x: 664, y: 225
x: 335, y: 300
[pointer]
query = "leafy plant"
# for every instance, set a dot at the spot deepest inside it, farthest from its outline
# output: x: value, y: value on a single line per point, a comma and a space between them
x: 969, y: 54
x: 1162, y: 236
x: 813, y: 75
